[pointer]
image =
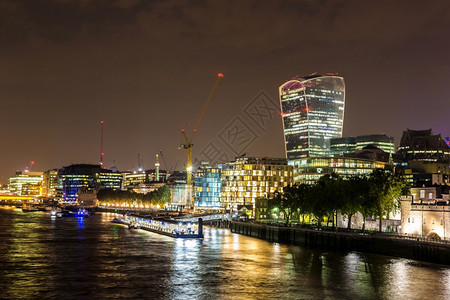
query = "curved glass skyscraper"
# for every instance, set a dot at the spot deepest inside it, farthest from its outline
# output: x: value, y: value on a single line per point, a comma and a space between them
x: 313, y: 112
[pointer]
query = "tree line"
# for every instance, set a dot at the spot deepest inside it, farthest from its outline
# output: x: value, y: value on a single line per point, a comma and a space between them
x: 161, y: 196
x: 376, y: 194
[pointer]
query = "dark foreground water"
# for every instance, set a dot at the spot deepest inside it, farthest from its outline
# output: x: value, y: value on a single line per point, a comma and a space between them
x: 66, y: 258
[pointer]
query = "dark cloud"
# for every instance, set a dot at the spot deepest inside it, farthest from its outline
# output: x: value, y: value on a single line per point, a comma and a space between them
x: 63, y: 20
x: 146, y: 67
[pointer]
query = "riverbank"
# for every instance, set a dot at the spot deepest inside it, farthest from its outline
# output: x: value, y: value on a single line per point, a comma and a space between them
x: 373, y: 243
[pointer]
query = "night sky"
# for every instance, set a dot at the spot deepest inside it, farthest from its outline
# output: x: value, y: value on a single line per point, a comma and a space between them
x: 146, y: 68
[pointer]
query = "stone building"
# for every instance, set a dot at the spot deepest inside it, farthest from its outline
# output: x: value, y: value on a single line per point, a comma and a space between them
x: 426, y: 213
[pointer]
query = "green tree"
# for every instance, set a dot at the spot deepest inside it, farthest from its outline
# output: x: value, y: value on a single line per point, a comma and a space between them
x: 330, y: 196
x: 285, y: 203
x: 355, y: 190
x: 303, y: 200
x: 385, y: 189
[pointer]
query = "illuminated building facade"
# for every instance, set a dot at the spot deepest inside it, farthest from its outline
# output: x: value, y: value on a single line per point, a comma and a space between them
x: 422, y: 145
x: 133, y: 179
x: 339, y: 146
x: 84, y: 178
x: 248, y: 178
x: 207, y: 187
x: 50, y: 183
x: 308, y: 170
x: 26, y: 183
x: 313, y: 113
x: 109, y: 180
x: 422, y: 155
x: 426, y: 213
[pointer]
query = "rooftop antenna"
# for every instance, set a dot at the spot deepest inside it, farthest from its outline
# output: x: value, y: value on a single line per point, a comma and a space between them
x: 101, y: 145
x: 140, y: 163
x: 157, y: 167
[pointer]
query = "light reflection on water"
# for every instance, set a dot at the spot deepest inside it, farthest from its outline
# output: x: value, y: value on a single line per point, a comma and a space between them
x: 82, y: 259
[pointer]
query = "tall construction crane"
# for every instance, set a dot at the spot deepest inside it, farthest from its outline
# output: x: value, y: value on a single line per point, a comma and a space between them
x: 188, y: 141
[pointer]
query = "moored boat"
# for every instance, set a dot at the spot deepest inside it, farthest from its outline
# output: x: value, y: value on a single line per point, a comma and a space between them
x: 165, y: 227
x: 82, y: 213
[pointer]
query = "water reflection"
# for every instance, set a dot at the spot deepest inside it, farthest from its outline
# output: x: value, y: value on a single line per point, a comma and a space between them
x: 82, y: 259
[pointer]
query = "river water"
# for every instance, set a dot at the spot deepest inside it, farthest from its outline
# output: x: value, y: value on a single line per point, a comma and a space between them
x: 70, y: 258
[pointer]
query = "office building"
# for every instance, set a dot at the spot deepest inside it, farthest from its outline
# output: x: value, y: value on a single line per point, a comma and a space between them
x: 248, y: 178
x: 339, y: 146
x: 84, y: 178
x: 207, y: 187
x: 424, y: 157
x: 423, y: 145
x: 133, y: 179
x: 308, y: 170
x: 50, y: 183
x: 312, y: 108
x: 26, y: 183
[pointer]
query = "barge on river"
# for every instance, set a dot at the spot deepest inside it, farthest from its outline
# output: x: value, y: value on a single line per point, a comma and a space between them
x: 168, y: 227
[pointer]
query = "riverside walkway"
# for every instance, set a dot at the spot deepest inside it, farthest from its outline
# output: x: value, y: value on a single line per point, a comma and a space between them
x: 395, y: 245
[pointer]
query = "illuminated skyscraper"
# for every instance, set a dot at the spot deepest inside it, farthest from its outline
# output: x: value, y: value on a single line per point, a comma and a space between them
x: 313, y: 113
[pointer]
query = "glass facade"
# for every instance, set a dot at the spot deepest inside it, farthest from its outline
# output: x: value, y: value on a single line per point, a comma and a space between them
x: 308, y: 170
x: 70, y: 184
x: 207, y: 187
x: 313, y: 113
x: 110, y: 180
x: 246, y: 179
x: 339, y: 146
x: 50, y: 183
x: 26, y: 184
x: 83, y: 177
x: 132, y: 179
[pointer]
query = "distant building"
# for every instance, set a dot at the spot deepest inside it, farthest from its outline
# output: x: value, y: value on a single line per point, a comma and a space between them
x: 177, y: 177
x: 248, y: 178
x: 416, y: 179
x: 207, y: 187
x: 181, y: 196
x: 50, y: 183
x: 426, y: 213
x: 26, y: 183
x: 144, y: 188
x: 308, y: 170
x: 132, y: 179
x: 87, y: 198
x: 77, y: 178
x: 339, y: 146
x: 422, y: 145
x: 181, y: 193
x: 313, y: 112
x: 424, y: 157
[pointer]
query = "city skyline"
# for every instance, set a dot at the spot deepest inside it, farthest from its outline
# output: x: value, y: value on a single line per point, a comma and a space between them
x: 146, y: 70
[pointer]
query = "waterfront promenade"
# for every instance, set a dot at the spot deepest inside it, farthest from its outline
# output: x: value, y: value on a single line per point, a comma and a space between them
x: 437, y: 251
